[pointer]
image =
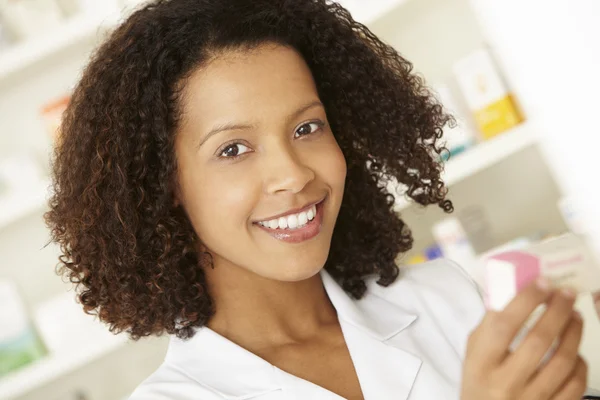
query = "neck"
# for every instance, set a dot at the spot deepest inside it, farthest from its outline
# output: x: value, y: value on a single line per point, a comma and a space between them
x: 254, y: 311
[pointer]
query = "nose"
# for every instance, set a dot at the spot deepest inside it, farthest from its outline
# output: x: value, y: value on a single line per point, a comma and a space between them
x: 286, y: 171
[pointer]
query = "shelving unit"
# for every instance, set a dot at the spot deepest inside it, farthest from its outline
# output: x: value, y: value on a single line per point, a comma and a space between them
x: 85, y: 26
x: 483, y: 156
x: 22, y: 203
x: 54, y: 366
x: 72, y: 32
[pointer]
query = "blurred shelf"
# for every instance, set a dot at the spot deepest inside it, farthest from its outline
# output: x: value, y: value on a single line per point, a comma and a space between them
x: 54, y: 366
x: 22, y: 203
x: 88, y: 25
x: 367, y: 12
x: 72, y: 32
x: 482, y: 156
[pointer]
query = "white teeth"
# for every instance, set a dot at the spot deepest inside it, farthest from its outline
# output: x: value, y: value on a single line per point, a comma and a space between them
x: 311, y: 213
x: 291, y: 221
x: 283, y: 222
x: 302, y: 218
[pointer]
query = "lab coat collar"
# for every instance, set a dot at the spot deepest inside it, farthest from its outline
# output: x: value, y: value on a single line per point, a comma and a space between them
x: 237, y: 374
x: 371, y: 314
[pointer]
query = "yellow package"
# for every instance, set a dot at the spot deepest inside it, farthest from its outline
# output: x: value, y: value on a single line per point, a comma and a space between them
x: 489, y: 99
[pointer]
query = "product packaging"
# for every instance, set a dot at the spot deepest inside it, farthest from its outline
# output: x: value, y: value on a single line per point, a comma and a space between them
x: 565, y: 261
x: 19, y: 342
x: 489, y: 99
x: 572, y: 215
x: 52, y: 115
x: 432, y: 252
x: 455, y: 245
x: 460, y: 137
x: 64, y: 326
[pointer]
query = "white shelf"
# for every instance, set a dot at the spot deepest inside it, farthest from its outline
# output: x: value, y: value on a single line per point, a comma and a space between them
x: 90, y: 24
x: 482, y: 156
x: 22, y: 203
x: 47, y: 369
x: 34, y: 50
x: 367, y: 12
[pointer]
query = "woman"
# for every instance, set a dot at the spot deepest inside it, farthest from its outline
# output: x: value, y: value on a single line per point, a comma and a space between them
x: 220, y: 179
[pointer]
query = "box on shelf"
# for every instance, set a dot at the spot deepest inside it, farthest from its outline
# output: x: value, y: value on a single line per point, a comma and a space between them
x: 488, y: 97
x: 573, y: 217
x: 458, y: 138
x: 52, y: 113
x: 19, y: 342
x: 63, y: 325
x: 455, y: 245
x: 432, y: 252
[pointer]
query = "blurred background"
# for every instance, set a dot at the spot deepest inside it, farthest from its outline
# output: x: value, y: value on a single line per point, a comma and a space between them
x: 503, y: 179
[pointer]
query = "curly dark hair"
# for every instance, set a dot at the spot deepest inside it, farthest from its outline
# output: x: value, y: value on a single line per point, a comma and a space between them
x: 130, y: 250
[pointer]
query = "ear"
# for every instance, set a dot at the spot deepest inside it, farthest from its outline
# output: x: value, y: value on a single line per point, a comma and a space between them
x: 177, y: 200
x: 176, y: 195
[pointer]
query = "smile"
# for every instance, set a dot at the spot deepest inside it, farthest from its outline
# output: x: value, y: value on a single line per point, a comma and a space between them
x: 295, y: 227
x: 291, y: 221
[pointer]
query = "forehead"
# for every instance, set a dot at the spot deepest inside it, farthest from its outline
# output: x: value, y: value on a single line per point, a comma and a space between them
x: 245, y: 83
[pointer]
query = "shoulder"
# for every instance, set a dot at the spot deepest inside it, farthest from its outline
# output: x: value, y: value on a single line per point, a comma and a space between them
x: 170, y: 383
x: 439, y: 278
x: 440, y: 291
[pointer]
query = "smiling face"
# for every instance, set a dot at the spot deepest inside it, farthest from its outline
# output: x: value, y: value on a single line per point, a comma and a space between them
x: 261, y: 175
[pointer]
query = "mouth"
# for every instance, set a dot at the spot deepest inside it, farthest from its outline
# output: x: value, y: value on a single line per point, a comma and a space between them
x: 295, y: 227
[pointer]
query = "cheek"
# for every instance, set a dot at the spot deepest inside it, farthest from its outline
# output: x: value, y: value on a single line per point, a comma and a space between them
x: 219, y: 202
x: 334, y: 165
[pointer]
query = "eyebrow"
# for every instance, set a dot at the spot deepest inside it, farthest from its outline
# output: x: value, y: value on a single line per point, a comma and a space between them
x: 222, y: 128
x: 234, y: 127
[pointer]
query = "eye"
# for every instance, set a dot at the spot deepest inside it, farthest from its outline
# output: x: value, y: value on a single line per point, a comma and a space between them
x: 307, y: 129
x: 234, y: 150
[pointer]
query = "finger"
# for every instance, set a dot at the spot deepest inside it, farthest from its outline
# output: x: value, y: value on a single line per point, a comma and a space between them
x: 524, y: 361
x: 560, y: 366
x: 489, y: 343
x: 576, y: 385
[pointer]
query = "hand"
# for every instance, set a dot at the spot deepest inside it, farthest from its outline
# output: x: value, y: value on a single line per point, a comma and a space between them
x: 492, y: 372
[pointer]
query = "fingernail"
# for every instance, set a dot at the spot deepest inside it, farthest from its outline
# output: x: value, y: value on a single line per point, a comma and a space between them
x: 577, y: 315
x: 568, y: 293
x: 543, y: 284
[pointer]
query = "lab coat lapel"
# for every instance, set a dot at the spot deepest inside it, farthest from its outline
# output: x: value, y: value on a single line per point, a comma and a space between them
x: 384, y: 370
x: 228, y: 369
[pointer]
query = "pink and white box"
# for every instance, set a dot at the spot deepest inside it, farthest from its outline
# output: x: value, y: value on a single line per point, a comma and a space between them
x: 565, y: 261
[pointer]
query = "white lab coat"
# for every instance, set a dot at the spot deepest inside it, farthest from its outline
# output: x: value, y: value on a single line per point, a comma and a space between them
x: 407, y: 342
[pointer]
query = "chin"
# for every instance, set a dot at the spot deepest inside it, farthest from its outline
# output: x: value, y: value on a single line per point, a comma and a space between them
x: 294, y: 272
